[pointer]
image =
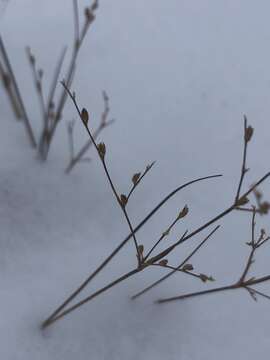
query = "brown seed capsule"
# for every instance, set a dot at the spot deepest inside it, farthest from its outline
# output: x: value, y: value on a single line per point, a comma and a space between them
x: 135, y: 178
x: 89, y: 14
x: 264, y: 207
x: 248, y: 133
x: 163, y: 262
x: 203, y: 277
x: 123, y: 200
x: 188, y: 267
x: 242, y: 201
x: 183, y: 212
x: 84, y: 116
x: 101, y: 149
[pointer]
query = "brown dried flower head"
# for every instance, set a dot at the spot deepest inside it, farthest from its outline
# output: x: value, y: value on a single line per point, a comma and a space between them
x: 248, y: 133
x: 183, y: 212
x: 85, y: 116
x: 101, y: 149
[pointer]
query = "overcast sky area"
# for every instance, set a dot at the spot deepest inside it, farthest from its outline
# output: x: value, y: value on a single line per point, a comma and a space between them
x: 180, y: 75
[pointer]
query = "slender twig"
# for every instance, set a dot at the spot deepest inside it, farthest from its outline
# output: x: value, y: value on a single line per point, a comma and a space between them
x: 239, y: 200
x: 102, y: 159
x: 198, y: 230
x: 103, y: 124
x: 258, y: 292
x: 197, y: 293
x: 37, y: 77
x: 55, y: 78
x: 136, y: 183
x: 52, y: 319
x: 58, y: 314
x: 88, y: 20
x: 247, y: 209
x: 243, y: 282
x: 10, y: 93
x: 243, y: 168
x: 123, y: 243
x: 26, y: 121
x: 70, y: 129
x: 178, y: 267
x: 179, y: 270
x: 163, y: 235
x: 76, y: 22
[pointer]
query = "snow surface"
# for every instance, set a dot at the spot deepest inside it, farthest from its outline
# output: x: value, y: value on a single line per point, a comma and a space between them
x: 180, y: 75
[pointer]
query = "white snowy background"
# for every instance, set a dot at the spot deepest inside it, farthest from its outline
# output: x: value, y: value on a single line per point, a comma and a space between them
x: 180, y: 75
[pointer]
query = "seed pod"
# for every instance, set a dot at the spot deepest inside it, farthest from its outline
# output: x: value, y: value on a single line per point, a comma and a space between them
x: 203, y: 277
x: 163, y: 262
x: 242, y: 201
x: 248, y: 133
x: 89, y: 15
x: 188, y: 267
x: 264, y: 207
x: 183, y: 212
x: 135, y: 178
x: 101, y: 149
x: 84, y: 116
x: 123, y: 200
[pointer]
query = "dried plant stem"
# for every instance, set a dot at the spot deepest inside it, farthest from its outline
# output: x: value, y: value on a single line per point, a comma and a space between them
x: 55, y: 79
x: 244, y: 285
x: 58, y: 314
x: 38, y: 85
x: 243, y: 168
x: 79, y: 156
x: 102, y: 159
x: 198, y: 230
x: 10, y: 93
x: 178, y: 267
x: 124, y: 242
x: 26, y: 121
x: 104, y: 123
x: 198, y: 293
x: 47, y: 137
x: 243, y: 282
x: 52, y: 319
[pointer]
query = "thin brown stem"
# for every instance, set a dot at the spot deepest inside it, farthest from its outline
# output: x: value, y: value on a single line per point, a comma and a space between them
x: 243, y: 168
x: 198, y: 293
x: 163, y: 235
x: 179, y: 270
x: 148, y: 168
x: 242, y: 282
x: 89, y: 18
x: 178, y: 267
x: 38, y: 85
x: 55, y: 79
x: 10, y: 93
x: 27, y: 124
x: 125, y: 241
x: 54, y: 318
x: 198, y: 230
x: 103, y: 124
x: 76, y: 22
x: 78, y: 157
x: 258, y: 292
x: 102, y: 159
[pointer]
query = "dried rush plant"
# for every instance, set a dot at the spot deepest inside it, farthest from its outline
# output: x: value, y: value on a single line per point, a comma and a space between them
x: 152, y: 257
x: 52, y: 105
